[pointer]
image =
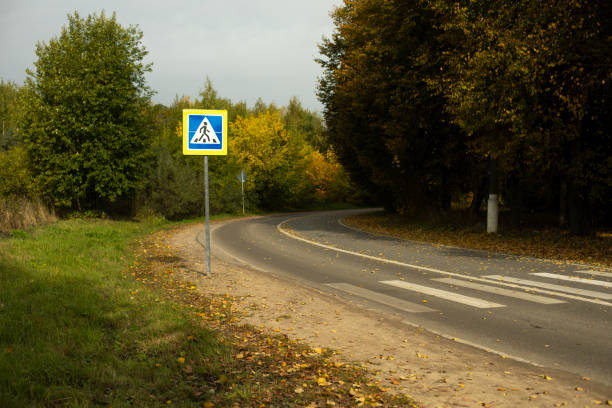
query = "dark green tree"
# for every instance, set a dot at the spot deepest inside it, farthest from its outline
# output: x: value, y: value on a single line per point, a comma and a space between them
x: 83, y: 121
x: 391, y: 132
x: 9, y: 106
x: 528, y: 82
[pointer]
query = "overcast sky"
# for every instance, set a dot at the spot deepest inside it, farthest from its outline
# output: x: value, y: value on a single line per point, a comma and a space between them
x: 248, y: 48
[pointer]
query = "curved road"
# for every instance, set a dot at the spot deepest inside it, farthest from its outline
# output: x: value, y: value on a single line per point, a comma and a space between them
x: 549, y: 314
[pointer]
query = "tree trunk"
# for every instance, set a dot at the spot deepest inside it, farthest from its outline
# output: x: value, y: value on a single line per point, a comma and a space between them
x: 579, y: 211
x: 516, y: 200
x: 563, y: 204
x: 478, y: 188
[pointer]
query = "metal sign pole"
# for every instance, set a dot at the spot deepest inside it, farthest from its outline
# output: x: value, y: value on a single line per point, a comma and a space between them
x: 242, y: 184
x: 207, y: 215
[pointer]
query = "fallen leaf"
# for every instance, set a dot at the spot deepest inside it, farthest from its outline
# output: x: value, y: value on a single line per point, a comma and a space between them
x: 298, y: 390
x: 181, y: 360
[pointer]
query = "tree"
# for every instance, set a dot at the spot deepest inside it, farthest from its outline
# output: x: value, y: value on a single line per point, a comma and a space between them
x: 310, y: 124
x: 390, y: 131
x: 275, y: 160
x: 9, y: 100
x: 83, y: 122
x: 528, y: 82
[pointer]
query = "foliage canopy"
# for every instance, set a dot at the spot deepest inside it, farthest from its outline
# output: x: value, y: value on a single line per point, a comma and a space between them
x: 83, y: 123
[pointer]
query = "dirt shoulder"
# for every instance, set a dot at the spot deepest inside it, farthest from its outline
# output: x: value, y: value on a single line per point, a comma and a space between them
x: 437, y: 371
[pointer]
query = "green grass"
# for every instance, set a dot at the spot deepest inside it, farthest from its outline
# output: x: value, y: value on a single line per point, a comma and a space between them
x: 77, y: 330
x: 94, y: 313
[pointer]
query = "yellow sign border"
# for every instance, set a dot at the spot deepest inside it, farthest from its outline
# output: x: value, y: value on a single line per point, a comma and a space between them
x: 200, y: 152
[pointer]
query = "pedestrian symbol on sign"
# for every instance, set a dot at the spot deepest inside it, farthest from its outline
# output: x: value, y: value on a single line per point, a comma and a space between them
x: 205, y: 134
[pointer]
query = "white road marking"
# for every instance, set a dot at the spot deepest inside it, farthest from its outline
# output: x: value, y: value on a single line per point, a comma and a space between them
x: 452, y: 296
x: 280, y: 228
x: 597, y: 273
x: 381, y: 298
x: 500, y: 291
x: 574, y: 279
x: 559, y: 288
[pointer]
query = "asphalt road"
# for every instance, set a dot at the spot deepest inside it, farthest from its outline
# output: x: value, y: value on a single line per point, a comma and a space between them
x: 547, y: 313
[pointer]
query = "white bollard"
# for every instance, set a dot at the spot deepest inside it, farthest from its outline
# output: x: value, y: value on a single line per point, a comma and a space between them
x: 492, y: 214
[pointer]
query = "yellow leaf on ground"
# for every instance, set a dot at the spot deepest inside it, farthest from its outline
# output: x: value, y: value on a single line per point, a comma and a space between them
x: 298, y: 390
x: 181, y: 360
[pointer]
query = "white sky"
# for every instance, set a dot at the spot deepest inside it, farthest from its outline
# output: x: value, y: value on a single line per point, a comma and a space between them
x: 248, y: 48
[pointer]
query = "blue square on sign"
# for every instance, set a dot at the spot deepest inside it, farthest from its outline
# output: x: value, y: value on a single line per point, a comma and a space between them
x: 205, y: 132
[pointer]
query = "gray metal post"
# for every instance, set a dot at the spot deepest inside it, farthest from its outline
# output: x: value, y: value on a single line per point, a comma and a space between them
x: 242, y: 184
x: 207, y: 215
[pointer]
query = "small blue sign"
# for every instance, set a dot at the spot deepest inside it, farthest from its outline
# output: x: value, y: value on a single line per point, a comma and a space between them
x: 242, y: 176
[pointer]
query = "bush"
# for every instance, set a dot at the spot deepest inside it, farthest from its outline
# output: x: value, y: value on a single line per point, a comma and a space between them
x: 18, y: 213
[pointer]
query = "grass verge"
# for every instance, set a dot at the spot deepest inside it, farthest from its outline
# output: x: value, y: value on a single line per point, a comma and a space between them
x: 551, y: 243
x: 88, y: 319
x: 75, y: 332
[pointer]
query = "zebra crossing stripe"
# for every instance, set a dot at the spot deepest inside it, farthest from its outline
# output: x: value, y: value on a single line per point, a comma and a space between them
x: 519, y: 294
x: 381, y: 298
x: 291, y: 235
x: 451, y: 296
x: 596, y: 273
x: 574, y: 279
x: 558, y: 288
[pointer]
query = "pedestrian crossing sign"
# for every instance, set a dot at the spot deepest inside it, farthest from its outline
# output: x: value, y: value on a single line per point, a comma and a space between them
x: 204, y: 132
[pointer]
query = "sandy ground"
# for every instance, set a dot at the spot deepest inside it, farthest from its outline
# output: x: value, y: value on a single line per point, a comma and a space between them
x: 436, y: 371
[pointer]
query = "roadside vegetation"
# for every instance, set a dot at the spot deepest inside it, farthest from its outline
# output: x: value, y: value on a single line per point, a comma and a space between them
x: 94, y: 313
x: 82, y: 135
x: 437, y: 102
